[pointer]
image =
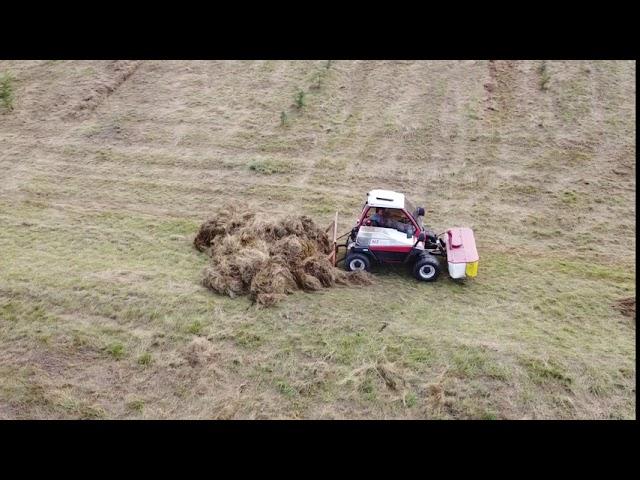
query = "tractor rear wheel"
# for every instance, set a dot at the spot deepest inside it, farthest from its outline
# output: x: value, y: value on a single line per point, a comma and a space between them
x: 357, y: 261
x: 426, y: 268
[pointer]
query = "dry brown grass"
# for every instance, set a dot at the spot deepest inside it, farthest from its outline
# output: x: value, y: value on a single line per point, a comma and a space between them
x: 102, y: 314
x: 268, y: 260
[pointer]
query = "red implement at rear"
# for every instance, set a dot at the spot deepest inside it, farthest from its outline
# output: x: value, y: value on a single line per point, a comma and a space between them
x: 461, y: 245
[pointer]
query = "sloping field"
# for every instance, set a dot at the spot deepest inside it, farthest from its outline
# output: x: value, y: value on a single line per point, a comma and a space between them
x: 107, y: 169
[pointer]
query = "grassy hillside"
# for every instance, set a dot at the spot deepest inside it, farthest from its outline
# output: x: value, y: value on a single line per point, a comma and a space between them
x: 108, y: 168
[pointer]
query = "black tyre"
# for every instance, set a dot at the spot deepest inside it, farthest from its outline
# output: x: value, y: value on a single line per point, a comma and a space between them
x: 357, y: 261
x: 426, y: 268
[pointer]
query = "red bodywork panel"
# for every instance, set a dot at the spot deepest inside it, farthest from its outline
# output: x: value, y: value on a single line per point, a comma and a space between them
x: 391, y: 248
x: 461, y: 245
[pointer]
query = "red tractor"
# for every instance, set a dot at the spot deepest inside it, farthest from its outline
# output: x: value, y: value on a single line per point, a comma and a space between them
x: 390, y: 230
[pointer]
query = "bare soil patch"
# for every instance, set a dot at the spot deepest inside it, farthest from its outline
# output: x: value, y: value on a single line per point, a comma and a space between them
x: 627, y: 306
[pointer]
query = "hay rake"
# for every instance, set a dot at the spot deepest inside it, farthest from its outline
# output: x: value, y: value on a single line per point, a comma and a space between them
x: 332, y: 230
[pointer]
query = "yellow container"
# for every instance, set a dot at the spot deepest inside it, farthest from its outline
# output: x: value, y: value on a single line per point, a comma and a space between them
x: 472, y: 269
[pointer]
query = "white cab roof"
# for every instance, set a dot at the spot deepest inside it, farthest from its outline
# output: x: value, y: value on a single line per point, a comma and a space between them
x: 385, y: 198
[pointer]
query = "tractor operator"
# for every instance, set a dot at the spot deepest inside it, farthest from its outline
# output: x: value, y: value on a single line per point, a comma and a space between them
x: 382, y: 219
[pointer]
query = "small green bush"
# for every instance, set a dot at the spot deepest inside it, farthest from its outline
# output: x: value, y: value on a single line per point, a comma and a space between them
x: 300, y: 100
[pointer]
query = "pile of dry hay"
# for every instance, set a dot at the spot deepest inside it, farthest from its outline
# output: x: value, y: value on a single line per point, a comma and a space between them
x: 268, y: 259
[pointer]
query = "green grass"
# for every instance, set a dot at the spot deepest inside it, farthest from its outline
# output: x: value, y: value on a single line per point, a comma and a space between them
x: 145, y: 359
x: 285, y: 389
x: 195, y: 328
x: 6, y: 91
x: 136, y: 405
x: 542, y: 371
x: 247, y: 339
x: 80, y: 409
x: 545, y: 76
x: 411, y: 400
x: 116, y: 350
x: 300, y: 99
x: 553, y: 306
x: 270, y: 166
x: 569, y: 197
x: 489, y: 415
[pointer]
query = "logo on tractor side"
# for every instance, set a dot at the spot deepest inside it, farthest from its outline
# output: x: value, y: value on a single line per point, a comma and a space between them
x: 377, y: 241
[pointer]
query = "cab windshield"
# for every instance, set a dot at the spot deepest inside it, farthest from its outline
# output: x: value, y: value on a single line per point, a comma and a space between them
x: 409, y: 206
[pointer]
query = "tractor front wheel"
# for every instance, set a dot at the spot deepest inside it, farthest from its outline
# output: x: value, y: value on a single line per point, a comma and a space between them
x: 426, y: 268
x: 357, y: 261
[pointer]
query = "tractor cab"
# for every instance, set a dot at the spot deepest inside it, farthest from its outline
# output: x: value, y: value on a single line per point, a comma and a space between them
x: 389, y: 225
